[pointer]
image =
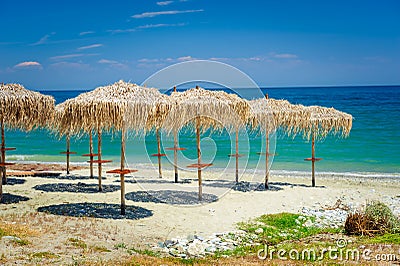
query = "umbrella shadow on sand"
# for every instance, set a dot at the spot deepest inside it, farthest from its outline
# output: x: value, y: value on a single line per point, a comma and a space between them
x: 96, y: 210
x: 77, y: 188
x: 11, y: 198
x: 15, y: 181
x: 174, y: 197
x: 156, y: 181
x: 293, y: 185
x: 242, y: 186
x: 69, y: 177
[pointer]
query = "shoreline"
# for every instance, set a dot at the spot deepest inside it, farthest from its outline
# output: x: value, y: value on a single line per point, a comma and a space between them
x: 61, y: 166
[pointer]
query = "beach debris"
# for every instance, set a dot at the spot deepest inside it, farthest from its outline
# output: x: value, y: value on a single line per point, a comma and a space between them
x: 195, y: 246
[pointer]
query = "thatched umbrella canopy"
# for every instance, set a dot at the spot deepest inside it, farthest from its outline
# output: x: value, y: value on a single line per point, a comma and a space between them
x: 323, y: 121
x: 116, y: 107
x: 269, y: 114
x: 203, y: 109
x: 22, y: 109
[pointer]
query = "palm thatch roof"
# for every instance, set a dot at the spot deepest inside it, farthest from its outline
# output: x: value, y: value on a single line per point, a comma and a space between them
x: 325, y: 120
x: 24, y: 109
x: 113, y: 107
x: 269, y: 114
x: 213, y: 109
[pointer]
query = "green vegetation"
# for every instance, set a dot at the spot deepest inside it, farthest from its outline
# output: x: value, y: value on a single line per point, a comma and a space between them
x: 44, y: 255
x: 279, y: 227
x: 79, y: 243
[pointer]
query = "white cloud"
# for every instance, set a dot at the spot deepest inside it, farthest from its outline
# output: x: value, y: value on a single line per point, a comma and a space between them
x: 28, y: 64
x: 90, y: 46
x: 85, y: 33
x: 171, y: 12
x: 61, y: 57
x: 147, y: 60
x: 185, y: 58
x: 121, y: 31
x: 74, y: 65
x: 285, y: 56
x: 111, y: 62
x: 164, y: 3
x: 149, y: 26
x: 44, y: 39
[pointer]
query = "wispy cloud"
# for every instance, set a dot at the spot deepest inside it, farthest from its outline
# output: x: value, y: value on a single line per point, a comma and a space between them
x: 185, y: 58
x: 71, y: 65
x: 90, y: 46
x: 159, y: 13
x: 112, y: 63
x: 43, y: 40
x: 67, y: 56
x: 285, y: 56
x: 29, y: 64
x: 164, y: 3
x: 149, y: 26
x: 86, y: 33
x: 122, y: 30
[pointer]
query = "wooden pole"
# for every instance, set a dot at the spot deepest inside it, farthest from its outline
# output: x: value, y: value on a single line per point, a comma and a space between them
x: 313, y: 160
x: 266, y: 154
x: 122, y: 175
x: 176, y: 155
x: 237, y: 155
x: 99, y: 157
x: 68, y: 146
x: 266, y: 160
x: 199, y: 157
x: 159, y: 152
x: 3, y: 154
x: 91, y: 152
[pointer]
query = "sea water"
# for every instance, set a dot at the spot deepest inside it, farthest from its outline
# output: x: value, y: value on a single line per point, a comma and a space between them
x: 372, y: 147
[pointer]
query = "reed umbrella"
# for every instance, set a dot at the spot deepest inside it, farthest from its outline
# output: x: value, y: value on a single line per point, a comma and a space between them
x: 203, y: 109
x: 323, y: 121
x: 268, y: 114
x: 21, y: 109
x: 117, y: 107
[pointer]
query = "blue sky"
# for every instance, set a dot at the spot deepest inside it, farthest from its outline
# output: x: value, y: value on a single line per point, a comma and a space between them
x: 54, y: 45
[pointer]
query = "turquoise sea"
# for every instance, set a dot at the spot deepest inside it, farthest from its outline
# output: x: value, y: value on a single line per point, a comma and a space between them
x: 373, y: 146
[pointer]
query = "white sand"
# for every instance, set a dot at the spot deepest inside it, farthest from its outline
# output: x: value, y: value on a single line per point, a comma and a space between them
x: 170, y: 221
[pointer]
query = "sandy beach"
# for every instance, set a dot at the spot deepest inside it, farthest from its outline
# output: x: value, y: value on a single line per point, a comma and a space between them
x: 161, y: 221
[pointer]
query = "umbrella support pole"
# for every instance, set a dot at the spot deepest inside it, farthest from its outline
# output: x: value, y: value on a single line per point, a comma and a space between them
x: 313, y: 159
x: 237, y: 155
x: 68, y: 146
x: 91, y: 152
x: 99, y: 157
x: 3, y: 155
x: 266, y: 160
x: 199, y: 157
x: 159, y: 152
x: 176, y: 156
x: 122, y: 175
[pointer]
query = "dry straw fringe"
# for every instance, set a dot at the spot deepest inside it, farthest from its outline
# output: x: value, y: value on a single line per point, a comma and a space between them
x: 24, y: 109
x: 112, y: 108
x: 213, y: 109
